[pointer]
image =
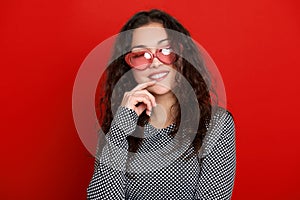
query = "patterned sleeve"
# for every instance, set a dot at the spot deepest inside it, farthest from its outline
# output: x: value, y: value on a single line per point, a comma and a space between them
x: 108, y: 180
x: 218, y: 160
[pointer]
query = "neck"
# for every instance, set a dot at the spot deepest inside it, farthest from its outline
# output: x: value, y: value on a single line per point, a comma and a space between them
x: 162, y: 115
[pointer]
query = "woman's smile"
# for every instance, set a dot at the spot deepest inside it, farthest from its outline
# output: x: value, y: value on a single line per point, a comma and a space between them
x: 158, y: 76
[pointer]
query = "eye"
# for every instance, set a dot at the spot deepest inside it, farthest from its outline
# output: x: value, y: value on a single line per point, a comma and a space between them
x: 138, y: 54
x: 166, y: 51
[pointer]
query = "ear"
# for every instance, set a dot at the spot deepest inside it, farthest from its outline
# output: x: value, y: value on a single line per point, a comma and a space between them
x: 180, y: 48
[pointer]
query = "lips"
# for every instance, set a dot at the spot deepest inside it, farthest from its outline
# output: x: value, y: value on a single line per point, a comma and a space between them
x: 158, y: 76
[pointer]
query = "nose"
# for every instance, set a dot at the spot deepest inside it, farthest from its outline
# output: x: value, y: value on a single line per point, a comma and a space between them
x: 155, y: 63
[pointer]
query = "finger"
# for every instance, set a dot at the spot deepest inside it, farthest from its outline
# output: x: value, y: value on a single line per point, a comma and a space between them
x: 141, y: 108
x: 150, y: 96
x: 132, y: 99
x: 143, y: 85
x: 144, y: 100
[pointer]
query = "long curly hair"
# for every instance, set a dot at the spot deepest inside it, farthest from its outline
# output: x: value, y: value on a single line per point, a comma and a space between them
x: 114, y: 83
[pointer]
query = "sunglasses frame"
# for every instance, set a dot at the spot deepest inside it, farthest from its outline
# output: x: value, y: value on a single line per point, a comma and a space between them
x: 153, y: 55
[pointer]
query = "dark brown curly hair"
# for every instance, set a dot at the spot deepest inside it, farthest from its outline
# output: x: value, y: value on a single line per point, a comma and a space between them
x: 196, y: 75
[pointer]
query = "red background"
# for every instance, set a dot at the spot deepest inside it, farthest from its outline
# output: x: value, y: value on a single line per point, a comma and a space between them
x: 254, y: 43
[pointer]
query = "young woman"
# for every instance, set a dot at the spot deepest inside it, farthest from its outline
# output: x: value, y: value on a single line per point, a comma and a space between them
x: 165, y: 136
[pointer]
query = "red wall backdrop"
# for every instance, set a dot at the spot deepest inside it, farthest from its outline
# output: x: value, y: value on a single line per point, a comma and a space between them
x: 254, y: 43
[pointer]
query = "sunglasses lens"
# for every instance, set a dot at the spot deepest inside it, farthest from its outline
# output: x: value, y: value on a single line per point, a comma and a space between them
x: 139, y: 59
x: 166, y: 56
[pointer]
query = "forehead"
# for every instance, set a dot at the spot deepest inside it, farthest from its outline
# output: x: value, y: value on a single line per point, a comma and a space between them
x: 151, y: 35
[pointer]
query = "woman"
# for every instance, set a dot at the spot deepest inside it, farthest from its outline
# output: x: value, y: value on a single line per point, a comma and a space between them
x: 165, y: 136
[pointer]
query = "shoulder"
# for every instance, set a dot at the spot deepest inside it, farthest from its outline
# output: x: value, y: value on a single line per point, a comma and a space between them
x: 221, y: 121
x: 220, y: 130
x: 220, y: 113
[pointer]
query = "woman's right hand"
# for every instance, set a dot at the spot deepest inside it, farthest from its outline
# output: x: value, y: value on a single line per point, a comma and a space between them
x: 139, y: 99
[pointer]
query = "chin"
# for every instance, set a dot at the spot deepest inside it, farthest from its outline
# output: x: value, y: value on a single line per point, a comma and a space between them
x: 159, y: 90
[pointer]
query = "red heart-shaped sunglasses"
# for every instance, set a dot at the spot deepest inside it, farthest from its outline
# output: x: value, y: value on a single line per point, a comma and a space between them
x: 142, y: 59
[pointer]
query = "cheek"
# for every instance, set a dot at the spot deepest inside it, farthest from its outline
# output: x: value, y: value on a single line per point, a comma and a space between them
x: 172, y: 79
x: 139, y: 76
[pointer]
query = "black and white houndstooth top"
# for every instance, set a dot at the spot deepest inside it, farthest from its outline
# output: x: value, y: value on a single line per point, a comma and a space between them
x: 160, y: 168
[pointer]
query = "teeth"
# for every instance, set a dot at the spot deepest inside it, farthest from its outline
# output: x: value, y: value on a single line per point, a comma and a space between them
x: 157, y: 76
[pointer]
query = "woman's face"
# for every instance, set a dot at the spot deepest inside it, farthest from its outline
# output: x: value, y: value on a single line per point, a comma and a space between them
x: 153, y: 36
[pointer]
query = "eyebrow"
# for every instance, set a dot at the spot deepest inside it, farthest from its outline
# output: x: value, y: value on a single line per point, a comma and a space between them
x: 144, y: 46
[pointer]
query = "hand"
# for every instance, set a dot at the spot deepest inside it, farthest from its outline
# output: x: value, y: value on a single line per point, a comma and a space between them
x: 139, y: 99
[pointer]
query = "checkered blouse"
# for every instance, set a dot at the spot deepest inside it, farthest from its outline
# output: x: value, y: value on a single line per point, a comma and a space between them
x: 162, y: 168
